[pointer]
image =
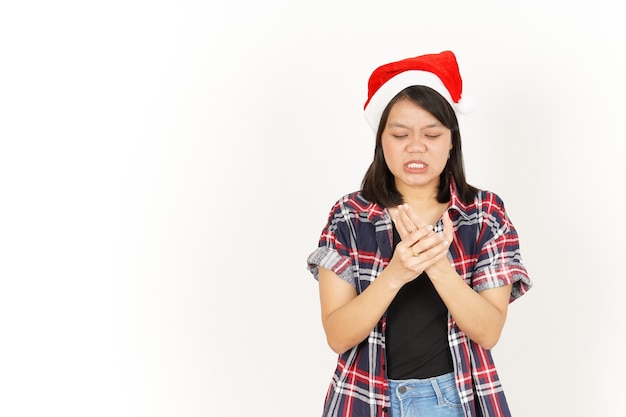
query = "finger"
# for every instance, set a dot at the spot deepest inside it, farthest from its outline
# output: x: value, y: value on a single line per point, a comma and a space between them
x: 448, y: 227
x: 410, y: 222
x: 412, y: 217
x: 434, y: 248
x: 427, y: 240
x: 421, y: 237
x: 403, y: 225
x: 401, y: 228
x: 433, y: 260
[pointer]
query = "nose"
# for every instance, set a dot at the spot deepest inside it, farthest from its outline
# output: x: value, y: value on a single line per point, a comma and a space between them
x: 416, y: 144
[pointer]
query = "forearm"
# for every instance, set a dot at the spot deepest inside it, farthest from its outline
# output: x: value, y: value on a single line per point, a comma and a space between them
x: 351, y: 323
x: 480, y: 316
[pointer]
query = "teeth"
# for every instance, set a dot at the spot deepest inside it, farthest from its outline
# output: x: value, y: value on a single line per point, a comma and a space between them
x: 416, y: 165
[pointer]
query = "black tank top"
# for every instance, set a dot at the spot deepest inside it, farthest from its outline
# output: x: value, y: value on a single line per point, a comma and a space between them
x: 417, y: 331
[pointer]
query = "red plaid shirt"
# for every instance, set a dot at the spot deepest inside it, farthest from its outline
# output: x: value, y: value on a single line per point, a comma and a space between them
x: 357, y: 245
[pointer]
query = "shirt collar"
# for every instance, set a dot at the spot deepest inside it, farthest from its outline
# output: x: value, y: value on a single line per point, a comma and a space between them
x: 455, y: 200
x: 377, y: 213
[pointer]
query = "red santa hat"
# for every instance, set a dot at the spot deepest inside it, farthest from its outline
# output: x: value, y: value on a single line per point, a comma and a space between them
x: 437, y: 71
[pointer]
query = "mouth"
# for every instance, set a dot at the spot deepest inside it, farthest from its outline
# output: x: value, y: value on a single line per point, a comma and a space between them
x: 416, y: 165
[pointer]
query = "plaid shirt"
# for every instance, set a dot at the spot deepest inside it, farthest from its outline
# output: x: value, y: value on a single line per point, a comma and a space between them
x: 356, y: 244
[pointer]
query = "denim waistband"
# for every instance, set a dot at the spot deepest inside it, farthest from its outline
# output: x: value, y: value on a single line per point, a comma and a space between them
x: 424, y: 386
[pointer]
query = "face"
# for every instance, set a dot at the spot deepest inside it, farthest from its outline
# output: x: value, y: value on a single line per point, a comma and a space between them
x: 416, y: 147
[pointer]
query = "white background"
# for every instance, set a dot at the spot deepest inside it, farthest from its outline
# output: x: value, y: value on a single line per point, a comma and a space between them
x: 167, y: 166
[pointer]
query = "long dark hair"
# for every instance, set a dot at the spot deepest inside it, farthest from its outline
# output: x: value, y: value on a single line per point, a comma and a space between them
x: 378, y: 185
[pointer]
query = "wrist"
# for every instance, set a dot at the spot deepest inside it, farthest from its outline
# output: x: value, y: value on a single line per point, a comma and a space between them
x: 392, y: 278
x: 441, y: 270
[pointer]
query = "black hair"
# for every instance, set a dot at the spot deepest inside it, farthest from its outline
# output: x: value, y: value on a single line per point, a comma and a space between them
x: 378, y: 185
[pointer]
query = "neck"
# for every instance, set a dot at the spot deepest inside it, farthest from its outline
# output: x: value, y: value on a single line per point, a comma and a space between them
x: 421, y: 203
x: 425, y: 204
x: 420, y: 197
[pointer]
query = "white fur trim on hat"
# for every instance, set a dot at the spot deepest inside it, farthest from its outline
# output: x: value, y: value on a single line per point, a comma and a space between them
x: 391, y: 88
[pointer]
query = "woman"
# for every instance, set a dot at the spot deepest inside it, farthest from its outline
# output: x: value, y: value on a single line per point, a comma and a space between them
x: 416, y: 270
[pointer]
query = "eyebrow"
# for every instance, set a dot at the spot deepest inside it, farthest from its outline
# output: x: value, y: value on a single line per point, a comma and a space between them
x: 396, y: 124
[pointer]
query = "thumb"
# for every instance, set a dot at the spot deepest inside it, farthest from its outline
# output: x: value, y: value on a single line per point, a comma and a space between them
x: 448, y: 227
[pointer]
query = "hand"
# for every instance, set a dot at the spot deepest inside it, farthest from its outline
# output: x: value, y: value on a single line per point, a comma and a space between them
x: 420, y: 246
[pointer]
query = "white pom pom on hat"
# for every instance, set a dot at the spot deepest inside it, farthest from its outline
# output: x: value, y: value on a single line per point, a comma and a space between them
x: 437, y: 71
x: 465, y: 105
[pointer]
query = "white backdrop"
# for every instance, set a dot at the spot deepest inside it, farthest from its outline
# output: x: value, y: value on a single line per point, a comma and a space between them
x: 167, y: 166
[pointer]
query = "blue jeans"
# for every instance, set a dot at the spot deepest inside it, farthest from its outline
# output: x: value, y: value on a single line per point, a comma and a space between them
x: 432, y: 397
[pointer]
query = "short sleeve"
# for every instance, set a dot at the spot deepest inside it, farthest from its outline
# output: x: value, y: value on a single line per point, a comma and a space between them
x: 333, y: 251
x: 499, y: 257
